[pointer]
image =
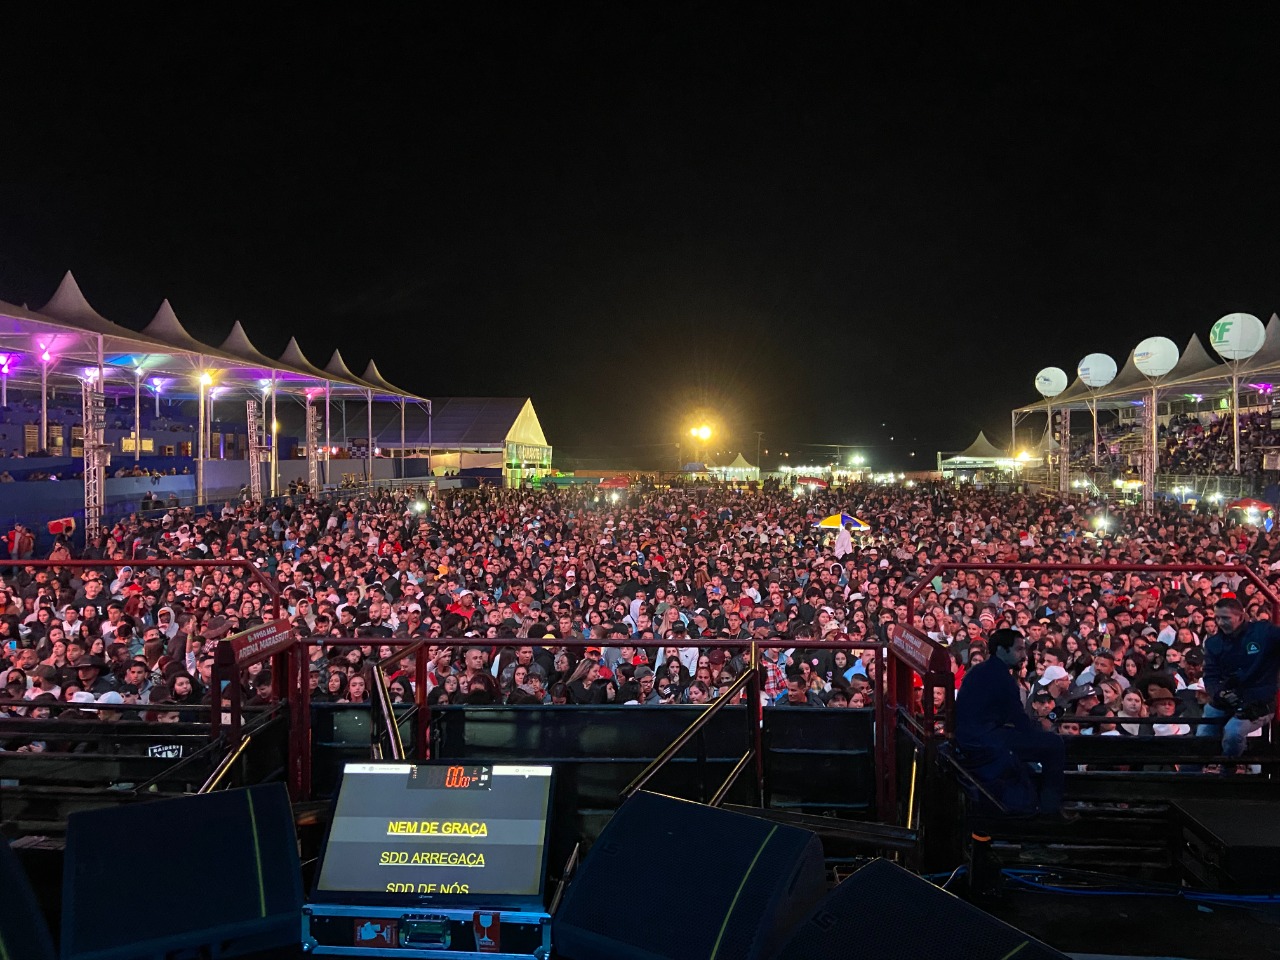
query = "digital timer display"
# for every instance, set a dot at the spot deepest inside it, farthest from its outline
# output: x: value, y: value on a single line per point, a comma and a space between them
x: 452, y: 777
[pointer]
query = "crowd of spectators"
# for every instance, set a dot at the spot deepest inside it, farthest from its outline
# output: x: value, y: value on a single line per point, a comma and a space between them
x: 663, y: 587
x: 1188, y: 445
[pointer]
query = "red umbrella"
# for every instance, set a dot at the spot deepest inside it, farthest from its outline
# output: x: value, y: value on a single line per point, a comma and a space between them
x: 1249, y: 503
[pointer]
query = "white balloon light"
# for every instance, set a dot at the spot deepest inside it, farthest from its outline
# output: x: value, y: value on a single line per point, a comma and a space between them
x: 1051, y: 381
x: 1096, y: 370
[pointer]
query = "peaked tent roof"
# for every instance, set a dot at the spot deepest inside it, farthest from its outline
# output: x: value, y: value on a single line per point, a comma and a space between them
x: 739, y: 463
x: 374, y: 376
x: 337, y: 367
x: 164, y: 346
x: 295, y: 359
x: 166, y: 328
x: 1210, y: 373
x: 1194, y: 361
x: 981, y: 449
x: 527, y: 428
x: 1268, y: 355
x: 69, y: 305
x: 238, y: 345
x: 1129, y: 377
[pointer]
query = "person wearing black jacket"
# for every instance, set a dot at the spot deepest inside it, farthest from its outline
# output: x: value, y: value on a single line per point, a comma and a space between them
x: 992, y: 726
x: 1241, y: 664
x: 582, y: 685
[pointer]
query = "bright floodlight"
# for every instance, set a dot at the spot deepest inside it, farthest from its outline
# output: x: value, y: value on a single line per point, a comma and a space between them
x: 206, y: 378
x: 420, y: 506
x: 702, y: 433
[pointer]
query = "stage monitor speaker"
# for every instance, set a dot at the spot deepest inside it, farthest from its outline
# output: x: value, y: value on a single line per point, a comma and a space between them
x: 214, y: 874
x: 23, y: 931
x: 677, y: 880
x: 885, y: 912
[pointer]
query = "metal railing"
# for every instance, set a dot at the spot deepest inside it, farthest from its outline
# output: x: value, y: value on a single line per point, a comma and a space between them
x: 750, y: 680
x: 386, y: 708
x: 300, y: 706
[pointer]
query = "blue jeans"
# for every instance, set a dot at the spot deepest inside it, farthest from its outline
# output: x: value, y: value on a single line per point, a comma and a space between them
x: 1233, y: 732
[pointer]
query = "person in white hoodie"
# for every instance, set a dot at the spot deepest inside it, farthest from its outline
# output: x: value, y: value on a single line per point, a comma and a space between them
x: 844, y: 543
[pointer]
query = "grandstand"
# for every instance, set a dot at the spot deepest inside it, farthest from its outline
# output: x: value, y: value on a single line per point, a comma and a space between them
x: 1192, y: 441
x: 65, y: 359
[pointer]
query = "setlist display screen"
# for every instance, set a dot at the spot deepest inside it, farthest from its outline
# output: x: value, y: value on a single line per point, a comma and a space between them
x: 438, y: 832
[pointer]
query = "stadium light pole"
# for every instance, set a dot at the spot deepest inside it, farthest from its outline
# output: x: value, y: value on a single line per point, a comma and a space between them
x: 702, y: 433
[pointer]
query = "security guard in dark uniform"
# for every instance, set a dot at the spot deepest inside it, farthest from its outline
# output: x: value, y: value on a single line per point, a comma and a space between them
x: 1241, y: 665
x: 995, y: 734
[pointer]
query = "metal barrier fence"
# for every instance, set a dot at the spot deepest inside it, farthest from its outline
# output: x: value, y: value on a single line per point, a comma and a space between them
x: 298, y: 651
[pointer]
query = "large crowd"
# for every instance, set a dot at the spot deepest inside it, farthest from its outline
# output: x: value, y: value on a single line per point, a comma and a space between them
x: 662, y: 586
x: 1189, y: 444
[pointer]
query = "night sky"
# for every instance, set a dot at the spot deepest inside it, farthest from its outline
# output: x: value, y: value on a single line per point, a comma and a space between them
x: 809, y: 225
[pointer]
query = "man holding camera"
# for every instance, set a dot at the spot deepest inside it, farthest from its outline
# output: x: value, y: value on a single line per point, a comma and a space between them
x: 1241, y: 663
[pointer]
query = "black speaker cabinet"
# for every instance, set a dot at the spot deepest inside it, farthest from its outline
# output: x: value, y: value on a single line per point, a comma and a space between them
x: 885, y: 912
x: 226, y: 877
x: 23, y: 931
x: 675, y: 880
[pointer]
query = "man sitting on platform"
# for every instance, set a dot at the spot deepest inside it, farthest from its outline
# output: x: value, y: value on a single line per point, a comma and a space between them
x: 1241, y: 662
x: 997, y: 737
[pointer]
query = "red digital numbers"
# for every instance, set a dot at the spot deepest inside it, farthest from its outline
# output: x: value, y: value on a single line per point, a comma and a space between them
x: 456, y: 777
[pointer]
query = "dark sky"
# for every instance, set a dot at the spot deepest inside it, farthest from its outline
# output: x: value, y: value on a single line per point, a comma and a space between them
x: 811, y: 225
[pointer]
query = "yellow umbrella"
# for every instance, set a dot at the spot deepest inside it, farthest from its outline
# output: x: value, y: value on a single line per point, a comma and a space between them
x: 838, y: 520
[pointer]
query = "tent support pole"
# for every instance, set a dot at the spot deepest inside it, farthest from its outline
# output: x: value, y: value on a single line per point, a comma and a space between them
x: 200, y: 448
x: 275, y: 437
x: 137, y: 414
x: 1235, y: 414
x: 1093, y: 408
x: 44, y: 405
